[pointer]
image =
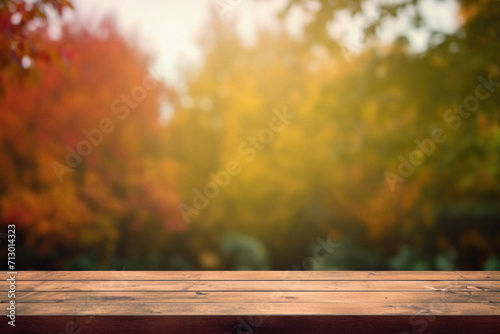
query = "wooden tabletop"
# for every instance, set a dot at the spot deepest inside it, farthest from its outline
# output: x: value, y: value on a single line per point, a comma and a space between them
x: 312, y: 294
x: 265, y: 292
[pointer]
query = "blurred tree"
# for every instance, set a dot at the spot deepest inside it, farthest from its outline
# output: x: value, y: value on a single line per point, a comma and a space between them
x: 84, y: 172
x: 355, y: 120
x: 273, y: 145
x: 395, y: 100
x: 20, y: 45
x: 244, y: 253
x: 231, y: 101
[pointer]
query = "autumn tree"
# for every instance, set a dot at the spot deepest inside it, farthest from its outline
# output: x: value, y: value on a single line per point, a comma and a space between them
x: 20, y: 45
x: 446, y: 201
x: 335, y: 169
x: 85, y: 174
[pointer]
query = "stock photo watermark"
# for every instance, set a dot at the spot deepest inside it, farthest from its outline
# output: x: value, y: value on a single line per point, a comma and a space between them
x: 419, y: 323
x: 249, y: 149
x: 452, y: 117
x: 11, y: 265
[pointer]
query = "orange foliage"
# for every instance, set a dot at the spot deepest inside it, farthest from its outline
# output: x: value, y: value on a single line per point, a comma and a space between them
x: 82, y: 151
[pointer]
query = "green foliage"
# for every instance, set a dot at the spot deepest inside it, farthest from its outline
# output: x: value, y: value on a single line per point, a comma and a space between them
x: 244, y: 253
x: 493, y: 263
x: 348, y: 255
x: 356, y: 118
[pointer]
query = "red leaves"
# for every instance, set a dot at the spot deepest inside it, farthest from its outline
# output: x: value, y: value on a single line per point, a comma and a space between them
x: 122, y: 181
x: 20, y: 45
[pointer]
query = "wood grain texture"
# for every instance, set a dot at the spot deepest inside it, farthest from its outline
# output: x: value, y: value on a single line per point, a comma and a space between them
x: 256, y: 297
x: 258, y: 275
x: 416, y: 286
x: 213, y: 302
x: 215, y: 309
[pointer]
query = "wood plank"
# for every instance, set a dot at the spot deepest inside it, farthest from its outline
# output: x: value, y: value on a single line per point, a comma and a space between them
x: 217, y: 309
x: 322, y: 296
x: 265, y: 325
x: 253, y: 286
x: 258, y: 275
x: 254, y: 297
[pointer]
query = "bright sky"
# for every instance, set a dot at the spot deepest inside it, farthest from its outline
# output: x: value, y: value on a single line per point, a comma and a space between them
x: 168, y: 28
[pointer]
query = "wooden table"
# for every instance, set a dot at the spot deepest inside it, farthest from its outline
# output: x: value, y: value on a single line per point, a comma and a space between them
x: 259, y: 301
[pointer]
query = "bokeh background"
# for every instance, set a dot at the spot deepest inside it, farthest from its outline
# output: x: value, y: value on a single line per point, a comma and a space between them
x: 250, y: 135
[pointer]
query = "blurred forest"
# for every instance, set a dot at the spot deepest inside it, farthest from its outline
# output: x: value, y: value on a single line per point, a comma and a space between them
x: 289, y: 153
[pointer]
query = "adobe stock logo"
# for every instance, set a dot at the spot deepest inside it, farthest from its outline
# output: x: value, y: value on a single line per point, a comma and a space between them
x: 94, y: 137
x: 453, y: 117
